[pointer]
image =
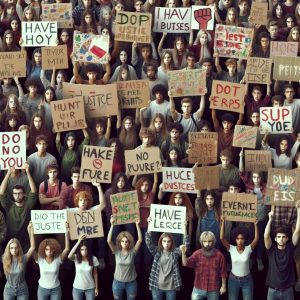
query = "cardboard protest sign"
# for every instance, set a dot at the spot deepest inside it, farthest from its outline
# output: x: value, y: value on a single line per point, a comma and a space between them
x: 99, y: 100
x: 258, y: 70
x: 87, y: 222
x: 12, y: 150
x: 239, y: 207
x: 259, y: 13
x: 286, y: 68
x: 90, y: 48
x: 133, y: 27
x: 228, y: 96
x: 232, y: 41
x: 133, y: 93
x: 68, y: 114
x: 245, y: 136
x: 143, y: 161
x: 283, y: 49
x: 175, y: 19
x: 96, y: 163
x: 49, y: 221
x: 257, y: 160
x: 207, y: 178
x: 283, y: 187
x: 204, y: 147
x: 125, y: 207
x: 60, y: 12
x: 202, y: 17
x: 38, y: 34
x: 178, y: 180
x: 187, y: 82
x: 55, y: 57
x: 13, y: 64
x: 276, y: 119
x: 167, y: 218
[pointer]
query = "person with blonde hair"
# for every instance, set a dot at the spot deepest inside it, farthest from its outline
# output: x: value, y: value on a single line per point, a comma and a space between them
x: 49, y: 258
x: 14, y: 266
x: 124, y: 251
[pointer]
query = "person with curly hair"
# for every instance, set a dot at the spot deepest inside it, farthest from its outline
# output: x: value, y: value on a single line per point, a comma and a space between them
x: 49, y: 258
x: 86, y: 276
x: 124, y: 250
x: 14, y: 266
x: 240, y: 276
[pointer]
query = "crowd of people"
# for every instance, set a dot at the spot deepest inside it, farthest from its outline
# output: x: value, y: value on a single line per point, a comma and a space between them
x: 130, y: 258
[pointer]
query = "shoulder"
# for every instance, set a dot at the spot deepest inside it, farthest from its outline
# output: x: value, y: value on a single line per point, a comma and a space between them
x: 95, y: 261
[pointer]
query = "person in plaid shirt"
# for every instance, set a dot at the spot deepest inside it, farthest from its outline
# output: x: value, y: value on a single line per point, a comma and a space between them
x: 210, y: 268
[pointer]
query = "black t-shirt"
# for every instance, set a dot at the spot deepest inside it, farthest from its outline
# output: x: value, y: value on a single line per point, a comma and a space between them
x: 281, y: 273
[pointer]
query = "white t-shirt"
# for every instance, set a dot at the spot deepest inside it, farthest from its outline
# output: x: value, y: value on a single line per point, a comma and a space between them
x: 49, y: 272
x: 84, y: 274
x: 240, y: 261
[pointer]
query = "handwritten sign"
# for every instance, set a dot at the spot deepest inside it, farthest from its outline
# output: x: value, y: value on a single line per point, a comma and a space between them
x: 91, y: 48
x: 283, y: 187
x: 55, y: 57
x: 133, y: 27
x: 99, y: 100
x: 227, y: 96
x: 245, y: 136
x: 258, y: 70
x: 143, y: 161
x: 286, y: 68
x: 202, y: 17
x: 239, y: 207
x: 207, y: 178
x: 276, y: 119
x: 257, y: 160
x: 13, y: 64
x: 259, y: 13
x: 88, y: 222
x: 232, y: 41
x: 60, y: 12
x: 187, y: 82
x: 178, y: 180
x: 38, y: 34
x: 175, y: 19
x: 133, y: 93
x: 49, y: 221
x: 167, y: 218
x: 96, y: 163
x: 125, y: 207
x: 12, y: 150
x: 204, y: 147
x: 283, y: 49
x: 68, y: 114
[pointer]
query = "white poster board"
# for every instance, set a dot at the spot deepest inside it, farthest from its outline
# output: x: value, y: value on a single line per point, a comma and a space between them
x: 167, y: 218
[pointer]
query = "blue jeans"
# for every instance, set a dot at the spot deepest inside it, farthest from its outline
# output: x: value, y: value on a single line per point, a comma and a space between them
x: 198, y: 294
x: 52, y: 294
x: 78, y: 294
x: 19, y: 293
x: 287, y: 294
x: 159, y: 294
x: 243, y: 283
x: 130, y: 287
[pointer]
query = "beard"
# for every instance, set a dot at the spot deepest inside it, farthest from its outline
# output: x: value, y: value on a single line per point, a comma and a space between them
x: 208, y: 251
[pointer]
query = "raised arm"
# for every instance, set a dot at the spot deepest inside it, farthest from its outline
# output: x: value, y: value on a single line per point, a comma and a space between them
x: 215, y: 119
x: 267, y: 237
x: 201, y: 109
x: 256, y: 235
x: 108, y: 128
x: 241, y: 163
x: 67, y: 243
x: 32, y: 241
x: 76, y: 73
x: 71, y: 255
x: 107, y: 74
x: 53, y: 77
x: 155, y: 182
x: 140, y: 238
x: 134, y: 56
x: 161, y: 42
x: 110, y: 242
x: 222, y: 234
x: 296, y: 234
x: 217, y: 62
x: 100, y: 193
x: 20, y: 89
x: 4, y: 182
x: 173, y: 111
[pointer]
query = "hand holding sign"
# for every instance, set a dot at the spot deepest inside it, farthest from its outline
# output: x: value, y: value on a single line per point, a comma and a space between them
x: 202, y: 16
